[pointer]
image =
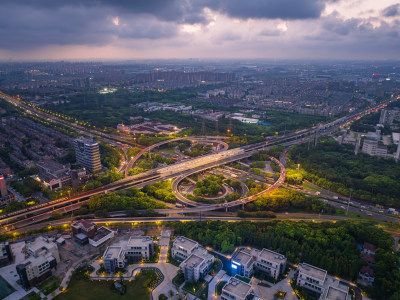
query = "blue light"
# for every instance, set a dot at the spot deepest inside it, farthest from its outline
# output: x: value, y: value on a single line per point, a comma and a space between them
x: 234, y: 266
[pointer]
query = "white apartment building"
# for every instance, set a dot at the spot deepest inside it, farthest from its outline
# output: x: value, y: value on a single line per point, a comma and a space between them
x: 43, y: 258
x: 134, y: 250
x: 271, y: 263
x: 242, y: 263
x: 235, y: 289
x: 197, y: 265
x: 183, y: 247
x: 311, y: 277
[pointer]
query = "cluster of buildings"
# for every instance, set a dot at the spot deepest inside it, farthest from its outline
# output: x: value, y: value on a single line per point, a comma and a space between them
x: 208, y: 114
x: 150, y: 127
x: 246, y: 262
x: 56, y: 175
x: 374, y: 142
x: 166, y: 80
x: 366, y: 275
x: 29, y: 142
x: 315, y: 96
x: 86, y: 232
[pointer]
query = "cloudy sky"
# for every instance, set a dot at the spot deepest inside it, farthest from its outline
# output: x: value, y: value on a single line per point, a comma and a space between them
x: 136, y: 29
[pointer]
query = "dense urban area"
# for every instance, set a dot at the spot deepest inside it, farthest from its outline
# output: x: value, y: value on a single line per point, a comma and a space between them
x: 191, y: 179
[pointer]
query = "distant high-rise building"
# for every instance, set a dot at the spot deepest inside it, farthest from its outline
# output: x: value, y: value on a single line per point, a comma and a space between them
x: 397, y: 155
x: 87, y: 153
x: 3, y: 187
x: 382, y: 119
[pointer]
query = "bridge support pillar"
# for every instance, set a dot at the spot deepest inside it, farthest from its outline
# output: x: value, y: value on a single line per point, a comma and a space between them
x: 243, y: 206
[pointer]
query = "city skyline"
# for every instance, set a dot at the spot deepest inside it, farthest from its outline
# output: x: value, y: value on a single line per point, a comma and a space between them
x: 307, y: 29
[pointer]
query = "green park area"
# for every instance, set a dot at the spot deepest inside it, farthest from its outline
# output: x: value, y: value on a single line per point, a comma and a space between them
x: 97, y: 290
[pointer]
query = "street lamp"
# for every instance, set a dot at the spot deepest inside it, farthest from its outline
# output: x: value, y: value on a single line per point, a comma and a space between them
x: 298, y: 168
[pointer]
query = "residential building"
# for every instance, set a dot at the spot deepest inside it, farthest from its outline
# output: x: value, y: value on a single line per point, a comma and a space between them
x: 236, y: 289
x: 338, y: 291
x: 87, y: 154
x: 311, y: 278
x: 197, y: 265
x: 113, y: 259
x: 242, y: 263
x: 44, y: 257
x: 134, y: 250
x: 246, y: 261
x: 84, y: 226
x: 271, y: 263
x: 367, y: 275
x: 5, y: 254
x: 368, y: 249
x: 183, y: 247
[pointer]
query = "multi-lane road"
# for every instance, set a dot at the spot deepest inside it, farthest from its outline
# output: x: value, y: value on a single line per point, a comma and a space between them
x: 183, y: 168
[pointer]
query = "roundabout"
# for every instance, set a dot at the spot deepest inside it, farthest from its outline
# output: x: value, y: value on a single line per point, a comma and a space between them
x: 183, y: 199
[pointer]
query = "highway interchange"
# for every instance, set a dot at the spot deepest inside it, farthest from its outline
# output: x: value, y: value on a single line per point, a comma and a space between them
x: 181, y: 169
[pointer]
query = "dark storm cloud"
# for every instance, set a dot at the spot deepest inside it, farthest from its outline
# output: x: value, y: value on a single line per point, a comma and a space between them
x: 270, y: 9
x: 392, y: 11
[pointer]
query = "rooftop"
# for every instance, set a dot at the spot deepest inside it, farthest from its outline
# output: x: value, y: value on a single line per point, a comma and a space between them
x: 369, y: 246
x: 139, y: 241
x: 242, y: 257
x: 312, y: 271
x: 101, y: 233
x: 86, y: 141
x: 367, y: 270
x: 84, y: 223
x: 272, y: 256
x: 40, y: 243
x: 81, y: 236
x: 184, y: 242
x: 193, y: 261
x: 112, y: 252
x: 335, y: 294
x: 237, y: 287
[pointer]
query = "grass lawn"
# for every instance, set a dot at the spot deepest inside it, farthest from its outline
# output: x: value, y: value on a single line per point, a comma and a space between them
x: 98, y: 290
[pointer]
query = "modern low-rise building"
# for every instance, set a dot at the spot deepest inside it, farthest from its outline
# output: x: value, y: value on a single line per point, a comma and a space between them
x: 183, y: 247
x: 339, y: 292
x: 242, y: 263
x: 102, y: 235
x: 271, y: 263
x: 133, y: 250
x: 246, y: 262
x: 311, y: 278
x: 44, y: 257
x: 197, y: 265
x: 236, y: 289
